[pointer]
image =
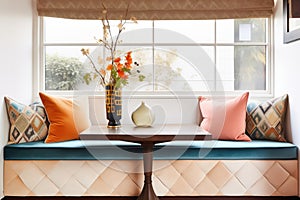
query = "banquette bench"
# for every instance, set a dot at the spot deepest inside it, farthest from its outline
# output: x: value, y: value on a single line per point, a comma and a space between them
x: 223, y: 167
x: 181, y: 168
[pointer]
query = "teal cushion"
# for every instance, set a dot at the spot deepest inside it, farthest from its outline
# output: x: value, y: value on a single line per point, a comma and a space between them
x: 182, y: 150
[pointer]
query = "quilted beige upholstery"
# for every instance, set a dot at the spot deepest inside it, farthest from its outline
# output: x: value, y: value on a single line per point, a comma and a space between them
x: 124, y: 178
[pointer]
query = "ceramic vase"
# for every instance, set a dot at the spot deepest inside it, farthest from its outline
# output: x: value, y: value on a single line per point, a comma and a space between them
x: 113, y: 105
x: 143, y: 116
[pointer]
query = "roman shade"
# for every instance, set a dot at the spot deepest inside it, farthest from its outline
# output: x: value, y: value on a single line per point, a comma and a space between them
x: 156, y: 9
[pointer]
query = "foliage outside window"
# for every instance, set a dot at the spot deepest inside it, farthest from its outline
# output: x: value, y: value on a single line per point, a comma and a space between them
x: 63, y: 73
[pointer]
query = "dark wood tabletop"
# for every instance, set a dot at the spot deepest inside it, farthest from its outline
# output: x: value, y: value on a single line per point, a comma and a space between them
x: 155, y: 134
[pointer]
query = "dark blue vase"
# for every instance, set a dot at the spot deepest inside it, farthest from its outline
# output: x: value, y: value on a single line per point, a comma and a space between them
x: 113, y: 102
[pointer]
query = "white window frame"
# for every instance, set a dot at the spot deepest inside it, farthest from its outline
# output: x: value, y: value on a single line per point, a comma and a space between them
x: 38, y: 72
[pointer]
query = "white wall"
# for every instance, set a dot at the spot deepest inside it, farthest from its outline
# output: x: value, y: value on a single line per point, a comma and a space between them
x: 16, y: 61
x: 287, y: 74
x: 167, y: 110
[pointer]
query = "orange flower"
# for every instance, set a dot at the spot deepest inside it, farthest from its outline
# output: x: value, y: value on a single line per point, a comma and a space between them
x: 109, y: 67
x: 129, y: 61
x: 117, y: 59
x: 128, y: 55
x: 128, y: 66
x: 119, y: 66
x: 122, y: 74
x: 129, y: 58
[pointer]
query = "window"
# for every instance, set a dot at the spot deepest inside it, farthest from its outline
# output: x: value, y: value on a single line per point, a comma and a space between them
x: 181, y: 55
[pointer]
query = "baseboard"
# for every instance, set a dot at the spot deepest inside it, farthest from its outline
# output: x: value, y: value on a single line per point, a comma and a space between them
x: 161, y: 198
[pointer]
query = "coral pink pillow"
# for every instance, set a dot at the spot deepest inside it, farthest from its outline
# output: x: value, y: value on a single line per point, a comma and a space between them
x: 225, y: 119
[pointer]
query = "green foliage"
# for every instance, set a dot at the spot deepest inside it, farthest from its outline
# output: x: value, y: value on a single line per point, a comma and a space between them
x: 63, y: 73
x: 89, y: 77
x: 141, y: 77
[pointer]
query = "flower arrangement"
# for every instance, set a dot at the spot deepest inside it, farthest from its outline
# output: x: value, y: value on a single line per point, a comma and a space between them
x: 119, y: 68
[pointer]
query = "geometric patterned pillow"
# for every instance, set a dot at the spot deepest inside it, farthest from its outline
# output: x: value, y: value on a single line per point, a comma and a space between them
x: 27, y: 123
x: 266, y: 121
x: 40, y: 109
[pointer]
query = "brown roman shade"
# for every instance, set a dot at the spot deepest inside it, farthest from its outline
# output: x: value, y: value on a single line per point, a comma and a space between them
x: 157, y: 9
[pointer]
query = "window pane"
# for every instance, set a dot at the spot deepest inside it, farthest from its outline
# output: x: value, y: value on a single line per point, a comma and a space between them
x: 58, y: 30
x: 65, y: 68
x: 85, y: 31
x: 225, y: 68
x: 225, y: 31
x: 67, y: 51
x: 250, y: 68
x: 184, y: 68
x: 135, y: 33
x: 184, y: 31
x: 250, y: 30
x: 143, y: 55
x: 241, y: 30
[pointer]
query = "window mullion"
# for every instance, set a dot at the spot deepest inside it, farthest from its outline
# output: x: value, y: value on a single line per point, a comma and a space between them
x: 42, y: 60
x: 215, y: 57
x: 153, y: 59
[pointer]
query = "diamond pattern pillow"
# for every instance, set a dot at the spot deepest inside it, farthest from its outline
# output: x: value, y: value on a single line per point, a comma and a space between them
x: 266, y: 121
x: 27, y: 123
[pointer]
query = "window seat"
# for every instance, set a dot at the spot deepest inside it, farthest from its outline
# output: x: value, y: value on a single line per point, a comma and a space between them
x: 100, y: 168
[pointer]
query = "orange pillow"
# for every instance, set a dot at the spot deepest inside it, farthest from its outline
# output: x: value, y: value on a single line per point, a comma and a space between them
x: 61, y: 117
x: 225, y: 119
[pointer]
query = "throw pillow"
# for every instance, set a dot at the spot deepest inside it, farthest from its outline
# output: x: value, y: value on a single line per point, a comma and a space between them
x: 27, y: 123
x: 225, y: 119
x: 81, y: 113
x: 266, y: 120
x: 67, y: 118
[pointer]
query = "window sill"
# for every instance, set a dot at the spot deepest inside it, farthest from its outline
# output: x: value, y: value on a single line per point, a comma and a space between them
x: 258, y: 95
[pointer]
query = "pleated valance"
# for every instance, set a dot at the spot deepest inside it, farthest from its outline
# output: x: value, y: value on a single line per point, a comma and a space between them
x: 156, y: 9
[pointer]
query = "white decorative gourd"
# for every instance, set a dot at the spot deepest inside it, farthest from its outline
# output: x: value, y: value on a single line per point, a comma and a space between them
x: 143, y: 116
